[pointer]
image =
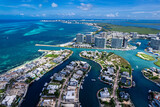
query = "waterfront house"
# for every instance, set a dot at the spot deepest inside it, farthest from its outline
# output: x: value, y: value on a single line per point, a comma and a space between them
x: 8, y: 100
x: 125, y: 81
x: 70, y: 67
x: 70, y: 96
x: 125, y: 74
x: 73, y: 63
x: 105, y: 93
x: 107, y: 78
x: 76, y: 76
x: 46, y: 102
x: 79, y: 72
x: 124, y: 95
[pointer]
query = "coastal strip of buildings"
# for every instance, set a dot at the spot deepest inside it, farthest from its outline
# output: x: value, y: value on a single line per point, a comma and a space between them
x: 63, y: 89
x: 110, y: 39
x: 14, y: 84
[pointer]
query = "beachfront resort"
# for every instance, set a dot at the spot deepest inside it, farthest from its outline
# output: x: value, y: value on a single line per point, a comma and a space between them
x: 64, y: 87
x: 15, y: 83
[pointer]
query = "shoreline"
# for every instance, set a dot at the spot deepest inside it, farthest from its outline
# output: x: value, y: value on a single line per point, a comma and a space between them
x: 139, y: 54
x: 111, y: 84
x: 43, y: 75
x: 105, y: 81
x: 158, y: 84
x: 21, y: 65
x: 66, y: 46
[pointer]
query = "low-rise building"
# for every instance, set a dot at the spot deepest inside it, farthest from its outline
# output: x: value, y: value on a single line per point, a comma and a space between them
x: 70, y: 96
x: 8, y: 100
x: 105, y: 93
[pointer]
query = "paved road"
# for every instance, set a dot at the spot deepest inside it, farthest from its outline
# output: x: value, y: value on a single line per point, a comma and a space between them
x: 115, y: 86
x: 66, y: 82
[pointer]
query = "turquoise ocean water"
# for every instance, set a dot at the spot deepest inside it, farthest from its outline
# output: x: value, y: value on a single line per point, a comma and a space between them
x: 17, y: 45
x: 18, y: 39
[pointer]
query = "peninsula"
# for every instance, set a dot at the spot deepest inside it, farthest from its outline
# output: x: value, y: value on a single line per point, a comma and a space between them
x: 15, y: 83
x: 116, y: 72
x: 63, y: 89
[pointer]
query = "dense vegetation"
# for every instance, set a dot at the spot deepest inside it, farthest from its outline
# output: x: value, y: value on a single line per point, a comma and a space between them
x: 52, y: 55
x: 140, y: 30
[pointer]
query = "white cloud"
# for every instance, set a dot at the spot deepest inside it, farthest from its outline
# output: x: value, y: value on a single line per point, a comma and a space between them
x: 67, y: 14
x: 155, y: 13
x: 112, y: 14
x: 84, y: 6
x: 40, y: 5
x: 71, y: 14
x: 37, y: 15
x: 138, y: 12
x: 28, y: 6
x: 54, y: 5
x: 21, y: 14
x: 44, y: 15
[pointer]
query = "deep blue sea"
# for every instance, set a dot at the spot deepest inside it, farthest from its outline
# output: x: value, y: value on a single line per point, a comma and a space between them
x: 18, y: 39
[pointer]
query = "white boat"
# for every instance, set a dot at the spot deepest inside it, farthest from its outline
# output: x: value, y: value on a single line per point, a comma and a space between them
x: 138, y: 43
x: 45, y: 84
x: 134, y: 84
x: 158, y: 84
x: 93, y: 79
x: 136, y: 66
x: 86, y: 75
x: 51, y: 77
x: 149, y: 91
x: 81, y: 87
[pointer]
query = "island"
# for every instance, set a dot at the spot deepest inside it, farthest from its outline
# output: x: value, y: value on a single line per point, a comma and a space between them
x: 64, y: 87
x: 15, y: 83
x: 152, y: 74
x: 145, y: 56
x: 116, y: 71
x: 157, y: 62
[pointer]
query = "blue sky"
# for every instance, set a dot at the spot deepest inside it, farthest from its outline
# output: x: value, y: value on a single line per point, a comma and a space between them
x: 79, y: 9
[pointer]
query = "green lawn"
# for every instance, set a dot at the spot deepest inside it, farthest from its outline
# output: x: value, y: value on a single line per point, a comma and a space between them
x: 2, y: 90
x: 52, y: 55
x: 157, y: 62
x: 145, y: 56
x: 140, y: 30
